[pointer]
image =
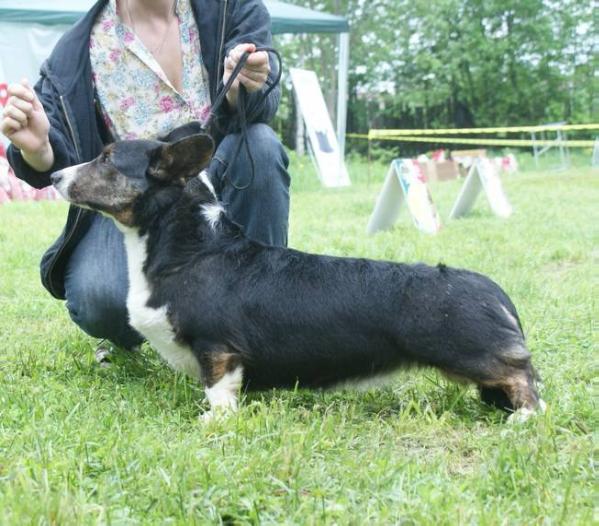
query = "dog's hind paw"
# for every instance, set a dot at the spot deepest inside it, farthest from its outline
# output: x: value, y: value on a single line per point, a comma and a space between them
x: 524, y: 413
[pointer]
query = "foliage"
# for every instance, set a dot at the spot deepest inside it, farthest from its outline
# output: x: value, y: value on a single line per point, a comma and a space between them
x: 83, y: 445
x: 458, y: 63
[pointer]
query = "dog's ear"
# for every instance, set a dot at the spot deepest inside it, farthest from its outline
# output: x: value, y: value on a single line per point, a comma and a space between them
x: 183, y: 159
x: 191, y: 128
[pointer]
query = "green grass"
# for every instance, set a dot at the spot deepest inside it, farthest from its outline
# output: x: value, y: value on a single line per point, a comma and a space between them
x: 85, y: 445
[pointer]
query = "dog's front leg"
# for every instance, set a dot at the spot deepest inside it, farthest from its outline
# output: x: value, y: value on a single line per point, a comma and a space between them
x: 222, y: 374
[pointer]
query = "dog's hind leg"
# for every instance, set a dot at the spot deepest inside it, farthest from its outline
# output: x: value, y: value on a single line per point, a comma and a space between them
x: 505, y: 379
x: 512, y: 387
x: 222, y: 375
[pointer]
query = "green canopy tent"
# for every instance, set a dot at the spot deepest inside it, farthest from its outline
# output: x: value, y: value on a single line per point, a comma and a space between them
x: 286, y: 18
x: 29, y: 30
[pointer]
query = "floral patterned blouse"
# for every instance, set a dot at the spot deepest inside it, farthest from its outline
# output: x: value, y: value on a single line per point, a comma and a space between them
x: 137, y: 99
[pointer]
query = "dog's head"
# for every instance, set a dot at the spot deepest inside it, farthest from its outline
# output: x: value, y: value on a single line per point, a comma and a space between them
x: 125, y: 170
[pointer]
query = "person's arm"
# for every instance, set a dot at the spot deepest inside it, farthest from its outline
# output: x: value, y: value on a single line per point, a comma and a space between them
x: 32, y: 123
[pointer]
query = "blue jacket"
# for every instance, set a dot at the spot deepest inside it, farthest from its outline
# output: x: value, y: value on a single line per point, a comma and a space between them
x: 77, y: 131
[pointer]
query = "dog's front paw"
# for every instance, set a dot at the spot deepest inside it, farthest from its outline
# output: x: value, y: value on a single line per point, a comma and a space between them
x: 215, y: 414
x: 103, y: 354
x: 208, y: 416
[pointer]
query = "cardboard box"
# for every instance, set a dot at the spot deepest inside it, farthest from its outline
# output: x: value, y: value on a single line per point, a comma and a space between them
x: 457, y: 154
x: 440, y: 171
x: 447, y: 170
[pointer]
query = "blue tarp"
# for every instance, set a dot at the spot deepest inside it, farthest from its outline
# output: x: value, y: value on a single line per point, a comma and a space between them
x: 286, y: 18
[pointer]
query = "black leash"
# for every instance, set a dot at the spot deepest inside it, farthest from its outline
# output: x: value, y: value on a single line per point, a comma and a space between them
x: 242, y: 110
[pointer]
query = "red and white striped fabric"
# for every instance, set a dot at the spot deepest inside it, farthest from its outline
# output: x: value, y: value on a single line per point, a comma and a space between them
x: 13, y: 189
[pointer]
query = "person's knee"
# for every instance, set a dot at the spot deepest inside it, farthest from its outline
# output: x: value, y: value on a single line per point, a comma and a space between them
x: 270, y: 160
x: 256, y: 190
x: 266, y: 145
x: 262, y: 169
x: 99, y: 311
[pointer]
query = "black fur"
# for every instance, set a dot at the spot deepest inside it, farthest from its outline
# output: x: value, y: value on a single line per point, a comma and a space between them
x: 318, y: 320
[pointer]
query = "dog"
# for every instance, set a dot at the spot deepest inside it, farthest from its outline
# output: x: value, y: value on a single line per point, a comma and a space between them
x: 235, y: 313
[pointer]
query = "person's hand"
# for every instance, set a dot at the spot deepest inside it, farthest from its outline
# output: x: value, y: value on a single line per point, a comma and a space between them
x: 253, y: 75
x: 25, y: 124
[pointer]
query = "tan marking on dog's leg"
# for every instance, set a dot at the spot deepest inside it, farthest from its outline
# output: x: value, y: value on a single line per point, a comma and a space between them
x: 519, y: 387
x: 223, y: 375
x: 520, y: 391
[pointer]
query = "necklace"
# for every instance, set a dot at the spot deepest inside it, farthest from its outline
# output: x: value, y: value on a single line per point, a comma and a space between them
x: 157, y: 49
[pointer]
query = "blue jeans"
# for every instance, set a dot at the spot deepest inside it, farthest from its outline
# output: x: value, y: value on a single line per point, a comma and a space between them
x: 96, y: 280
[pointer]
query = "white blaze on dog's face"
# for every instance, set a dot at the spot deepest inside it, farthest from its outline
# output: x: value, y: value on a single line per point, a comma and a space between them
x: 110, y: 183
x: 125, y: 170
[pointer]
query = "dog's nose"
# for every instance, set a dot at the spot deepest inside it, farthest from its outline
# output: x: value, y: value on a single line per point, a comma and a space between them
x: 56, y: 177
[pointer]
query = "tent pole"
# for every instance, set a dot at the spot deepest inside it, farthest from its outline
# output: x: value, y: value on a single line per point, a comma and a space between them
x: 342, y: 90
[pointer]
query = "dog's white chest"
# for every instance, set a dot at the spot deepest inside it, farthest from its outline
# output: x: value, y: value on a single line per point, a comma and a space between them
x: 152, y: 323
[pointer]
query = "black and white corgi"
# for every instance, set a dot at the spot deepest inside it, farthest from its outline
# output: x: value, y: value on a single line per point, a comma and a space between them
x: 238, y: 314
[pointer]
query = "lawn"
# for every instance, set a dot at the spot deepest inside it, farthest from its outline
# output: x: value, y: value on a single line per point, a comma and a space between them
x: 80, y: 444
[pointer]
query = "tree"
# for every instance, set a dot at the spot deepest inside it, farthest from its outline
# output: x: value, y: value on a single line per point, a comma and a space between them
x: 458, y: 63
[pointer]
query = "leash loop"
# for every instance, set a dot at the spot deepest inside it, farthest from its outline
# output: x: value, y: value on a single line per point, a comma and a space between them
x: 242, y: 110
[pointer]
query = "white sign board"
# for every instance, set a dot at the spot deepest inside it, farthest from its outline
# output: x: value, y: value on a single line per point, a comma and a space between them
x: 483, y: 176
x: 405, y: 183
x: 323, y: 141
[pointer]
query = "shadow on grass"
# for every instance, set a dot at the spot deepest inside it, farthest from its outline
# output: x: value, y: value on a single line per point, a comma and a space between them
x: 441, y: 400
x: 411, y: 395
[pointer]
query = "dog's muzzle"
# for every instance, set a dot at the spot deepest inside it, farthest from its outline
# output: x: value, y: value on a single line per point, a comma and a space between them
x: 56, y: 177
x: 61, y: 180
